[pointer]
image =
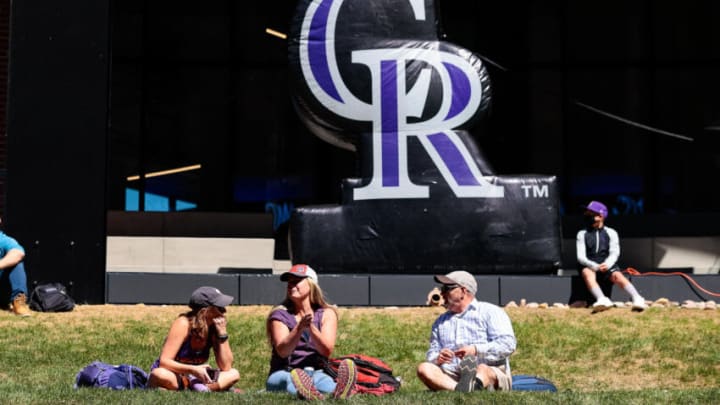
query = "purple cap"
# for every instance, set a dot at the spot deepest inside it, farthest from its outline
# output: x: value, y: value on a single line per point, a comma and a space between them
x: 597, y: 207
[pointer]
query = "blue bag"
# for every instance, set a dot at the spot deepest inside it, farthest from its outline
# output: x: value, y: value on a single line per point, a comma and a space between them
x: 524, y: 382
x: 117, y: 377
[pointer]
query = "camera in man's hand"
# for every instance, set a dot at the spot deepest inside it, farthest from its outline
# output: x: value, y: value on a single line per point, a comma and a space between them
x: 435, y: 298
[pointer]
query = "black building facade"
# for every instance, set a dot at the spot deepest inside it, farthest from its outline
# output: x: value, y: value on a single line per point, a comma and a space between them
x: 106, y: 96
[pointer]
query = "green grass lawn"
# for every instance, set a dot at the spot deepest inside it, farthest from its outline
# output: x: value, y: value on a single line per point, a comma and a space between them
x: 615, y: 357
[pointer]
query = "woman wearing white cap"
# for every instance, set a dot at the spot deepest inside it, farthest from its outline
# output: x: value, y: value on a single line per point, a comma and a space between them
x: 183, y: 362
x: 302, y: 333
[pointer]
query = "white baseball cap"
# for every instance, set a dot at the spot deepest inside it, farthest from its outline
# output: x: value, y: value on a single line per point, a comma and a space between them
x: 302, y: 271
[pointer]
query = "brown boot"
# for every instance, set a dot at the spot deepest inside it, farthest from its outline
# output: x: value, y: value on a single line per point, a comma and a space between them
x: 19, y: 305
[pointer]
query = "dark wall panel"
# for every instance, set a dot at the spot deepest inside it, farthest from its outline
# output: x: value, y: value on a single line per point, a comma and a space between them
x: 57, y: 127
x: 165, y: 288
x: 413, y: 290
x: 535, y: 289
x: 676, y: 288
x: 261, y: 289
x: 386, y: 290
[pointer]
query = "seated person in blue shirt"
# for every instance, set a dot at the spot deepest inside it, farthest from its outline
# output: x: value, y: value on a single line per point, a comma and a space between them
x: 13, y: 270
x: 470, y: 344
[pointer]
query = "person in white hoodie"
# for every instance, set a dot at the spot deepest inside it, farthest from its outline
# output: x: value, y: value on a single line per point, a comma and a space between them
x: 598, y: 250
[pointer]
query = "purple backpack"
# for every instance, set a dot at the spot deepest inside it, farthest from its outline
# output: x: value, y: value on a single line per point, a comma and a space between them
x: 117, y: 377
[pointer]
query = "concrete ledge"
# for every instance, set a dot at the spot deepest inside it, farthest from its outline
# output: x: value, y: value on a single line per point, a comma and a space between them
x: 700, y: 253
x: 188, y: 242
x: 187, y: 255
x: 190, y: 224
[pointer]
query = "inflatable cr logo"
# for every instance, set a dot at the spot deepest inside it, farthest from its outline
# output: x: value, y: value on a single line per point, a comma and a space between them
x: 371, y: 76
x: 362, y: 81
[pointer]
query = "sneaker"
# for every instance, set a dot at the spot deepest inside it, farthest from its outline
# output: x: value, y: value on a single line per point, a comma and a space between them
x: 639, y: 304
x: 468, y: 371
x: 304, y: 385
x: 19, y: 305
x: 194, y: 384
x: 346, y: 378
x: 602, y: 304
x: 199, y: 387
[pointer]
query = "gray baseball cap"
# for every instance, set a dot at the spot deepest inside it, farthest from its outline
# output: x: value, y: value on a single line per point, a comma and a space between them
x: 461, y: 278
x: 206, y: 296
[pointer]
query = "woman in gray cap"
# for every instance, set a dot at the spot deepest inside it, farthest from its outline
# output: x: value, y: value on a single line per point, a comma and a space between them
x: 183, y: 361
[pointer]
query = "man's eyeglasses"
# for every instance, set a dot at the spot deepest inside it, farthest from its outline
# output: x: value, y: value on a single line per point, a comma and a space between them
x: 446, y: 288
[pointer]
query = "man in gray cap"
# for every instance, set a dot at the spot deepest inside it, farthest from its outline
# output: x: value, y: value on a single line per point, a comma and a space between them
x: 470, y: 344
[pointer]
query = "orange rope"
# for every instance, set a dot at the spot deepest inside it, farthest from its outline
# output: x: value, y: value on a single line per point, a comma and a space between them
x: 634, y: 272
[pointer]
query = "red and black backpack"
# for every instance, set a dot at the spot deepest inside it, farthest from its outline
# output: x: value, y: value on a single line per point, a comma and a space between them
x: 374, y: 376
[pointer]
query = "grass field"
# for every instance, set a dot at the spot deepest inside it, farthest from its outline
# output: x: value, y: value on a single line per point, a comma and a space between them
x: 658, y: 356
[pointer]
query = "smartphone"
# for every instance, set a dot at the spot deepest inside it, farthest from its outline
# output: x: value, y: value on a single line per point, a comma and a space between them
x: 214, y: 373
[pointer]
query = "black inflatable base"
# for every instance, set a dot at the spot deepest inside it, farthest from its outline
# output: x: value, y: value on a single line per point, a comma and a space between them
x: 518, y: 233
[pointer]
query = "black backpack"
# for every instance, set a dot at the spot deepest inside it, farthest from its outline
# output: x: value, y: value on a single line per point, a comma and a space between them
x: 51, y: 297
